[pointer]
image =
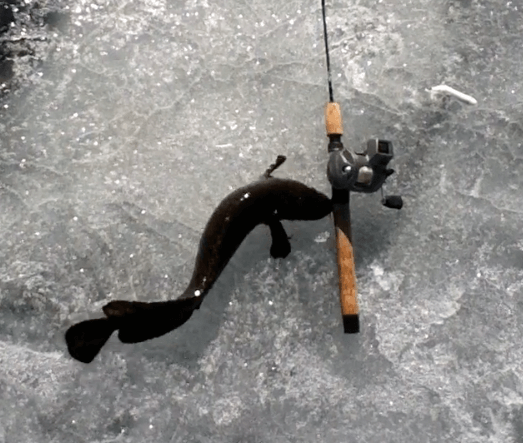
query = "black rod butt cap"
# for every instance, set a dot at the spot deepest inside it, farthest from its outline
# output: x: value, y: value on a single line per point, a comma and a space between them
x: 351, y: 324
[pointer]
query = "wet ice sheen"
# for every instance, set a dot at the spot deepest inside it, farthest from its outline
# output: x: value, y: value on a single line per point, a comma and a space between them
x: 145, y: 114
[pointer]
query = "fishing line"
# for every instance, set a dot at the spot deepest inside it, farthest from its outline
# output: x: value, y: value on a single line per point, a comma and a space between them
x: 331, y: 96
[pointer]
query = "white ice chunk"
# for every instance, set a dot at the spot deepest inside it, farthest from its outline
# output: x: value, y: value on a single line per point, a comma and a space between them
x: 448, y: 90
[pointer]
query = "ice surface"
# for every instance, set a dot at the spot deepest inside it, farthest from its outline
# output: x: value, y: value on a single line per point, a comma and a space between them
x: 145, y: 113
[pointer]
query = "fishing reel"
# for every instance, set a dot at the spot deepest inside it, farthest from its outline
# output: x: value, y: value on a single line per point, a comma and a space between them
x: 364, y: 171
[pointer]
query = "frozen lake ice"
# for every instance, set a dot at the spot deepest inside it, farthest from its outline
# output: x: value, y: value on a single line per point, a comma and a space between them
x: 131, y: 123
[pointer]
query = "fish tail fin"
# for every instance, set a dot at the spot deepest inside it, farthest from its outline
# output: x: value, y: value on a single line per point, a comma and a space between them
x: 138, y: 321
x: 85, y: 339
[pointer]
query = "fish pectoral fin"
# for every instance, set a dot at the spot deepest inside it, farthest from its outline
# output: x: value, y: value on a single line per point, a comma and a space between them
x: 281, y: 246
x: 279, y: 161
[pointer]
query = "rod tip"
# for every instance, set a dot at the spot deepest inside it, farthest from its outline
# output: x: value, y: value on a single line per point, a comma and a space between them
x: 351, y: 324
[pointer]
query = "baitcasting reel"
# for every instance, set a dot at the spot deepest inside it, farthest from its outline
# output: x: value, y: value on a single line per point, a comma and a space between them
x: 362, y: 171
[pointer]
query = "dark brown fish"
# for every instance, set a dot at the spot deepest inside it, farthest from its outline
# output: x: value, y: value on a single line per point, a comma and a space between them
x: 267, y: 201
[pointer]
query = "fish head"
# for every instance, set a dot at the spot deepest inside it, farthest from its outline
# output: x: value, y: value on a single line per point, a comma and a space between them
x: 303, y: 203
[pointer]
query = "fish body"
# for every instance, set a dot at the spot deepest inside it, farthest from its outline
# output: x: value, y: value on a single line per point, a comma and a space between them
x: 267, y: 201
x: 264, y: 202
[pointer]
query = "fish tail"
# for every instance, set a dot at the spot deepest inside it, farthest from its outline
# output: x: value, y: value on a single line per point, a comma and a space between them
x: 138, y: 321
x: 85, y: 339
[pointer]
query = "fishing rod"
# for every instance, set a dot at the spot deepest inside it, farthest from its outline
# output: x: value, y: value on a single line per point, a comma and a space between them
x: 347, y: 170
